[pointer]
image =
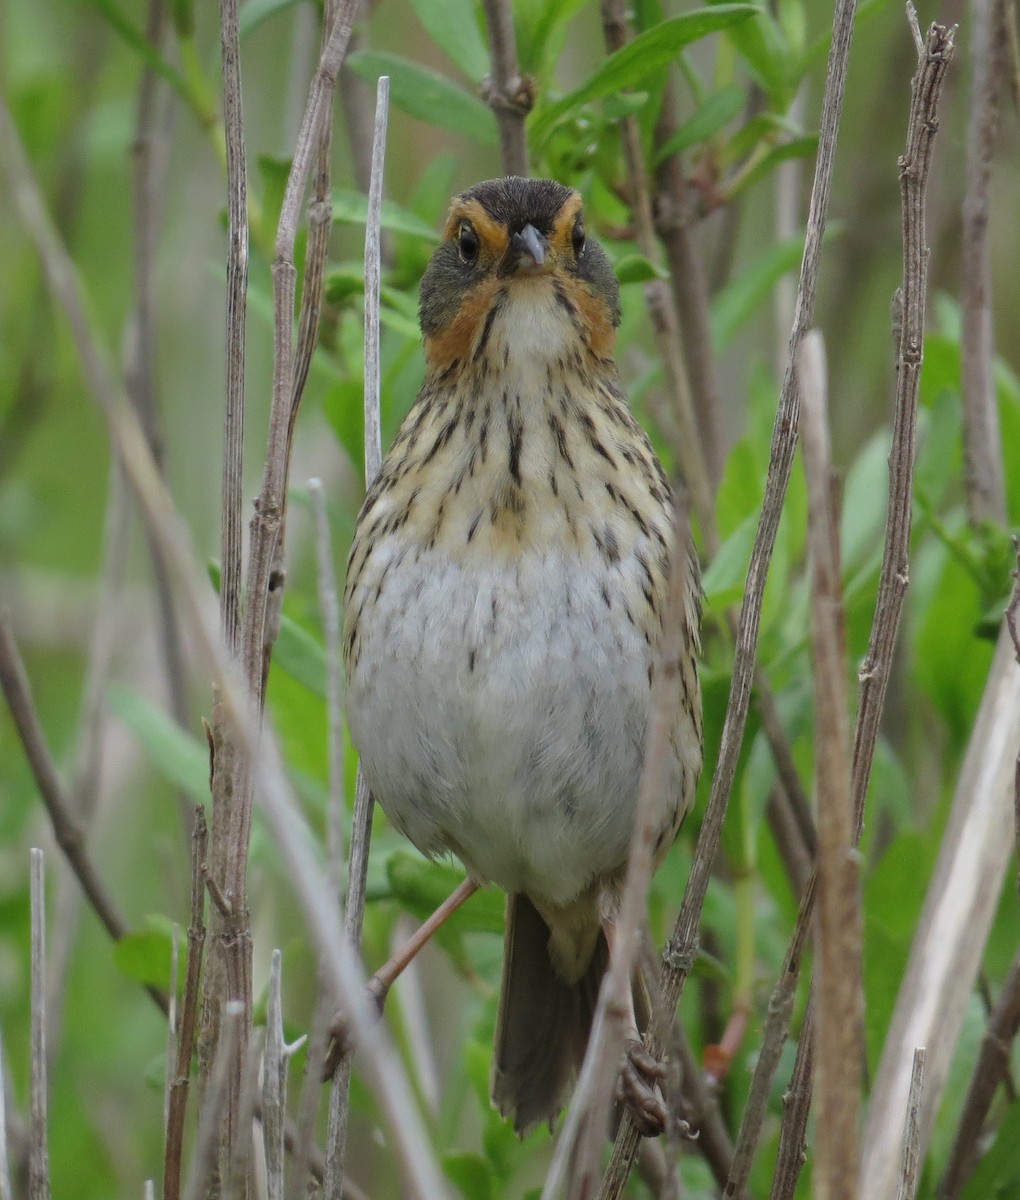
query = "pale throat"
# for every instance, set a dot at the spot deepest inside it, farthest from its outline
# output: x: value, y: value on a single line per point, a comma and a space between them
x: 535, y: 327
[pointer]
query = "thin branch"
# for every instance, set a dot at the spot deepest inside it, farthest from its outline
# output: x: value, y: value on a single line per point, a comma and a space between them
x: 797, y: 1103
x: 39, y: 1155
x: 274, y: 1083
x: 178, y: 1100
x: 383, y: 1069
x: 509, y: 94
x: 659, y: 301
x: 231, y: 537
x: 681, y: 948
x: 875, y: 673
x: 689, y: 282
x: 990, y: 1070
x: 593, y: 1097
x: 838, y: 929
x: 329, y: 606
x: 777, y: 1026
x: 6, y: 1190
x: 361, y: 833
x: 914, y: 168
x: 982, y: 444
x: 214, y: 1105
x: 66, y: 831
x: 911, y: 1130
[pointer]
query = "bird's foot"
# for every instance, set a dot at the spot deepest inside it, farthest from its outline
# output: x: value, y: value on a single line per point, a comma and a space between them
x: 638, y: 1088
x: 340, y: 1043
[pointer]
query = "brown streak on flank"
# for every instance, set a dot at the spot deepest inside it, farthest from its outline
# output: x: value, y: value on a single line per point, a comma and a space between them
x: 595, y: 318
x: 457, y: 340
x: 563, y: 229
x: 492, y: 235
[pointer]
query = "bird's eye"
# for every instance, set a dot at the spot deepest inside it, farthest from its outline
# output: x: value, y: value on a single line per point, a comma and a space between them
x: 577, y: 237
x: 467, y: 243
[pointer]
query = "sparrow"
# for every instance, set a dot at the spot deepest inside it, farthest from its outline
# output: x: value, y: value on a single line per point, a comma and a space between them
x: 503, y: 609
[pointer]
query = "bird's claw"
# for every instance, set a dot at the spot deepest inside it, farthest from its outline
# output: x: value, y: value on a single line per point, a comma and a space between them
x: 340, y: 1043
x: 638, y: 1088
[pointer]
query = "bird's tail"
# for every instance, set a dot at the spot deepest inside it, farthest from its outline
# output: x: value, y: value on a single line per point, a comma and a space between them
x: 544, y: 1019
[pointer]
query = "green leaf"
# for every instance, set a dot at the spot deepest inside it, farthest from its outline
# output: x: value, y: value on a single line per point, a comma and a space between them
x: 718, y: 110
x: 427, y: 95
x: 180, y: 758
x: 421, y: 886
x: 635, y: 268
x: 472, y: 1174
x: 351, y: 208
x: 301, y: 656
x: 144, y: 48
x: 762, y: 45
x: 646, y: 54
x: 274, y: 172
x: 724, y: 580
x: 736, y: 302
x: 803, y: 147
x: 453, y: 26
x: 254, y: 12
x: 145, y: 954
x: 541, y: 30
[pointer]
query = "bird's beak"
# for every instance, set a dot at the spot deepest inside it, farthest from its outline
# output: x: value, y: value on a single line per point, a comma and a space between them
x: 528, y: 251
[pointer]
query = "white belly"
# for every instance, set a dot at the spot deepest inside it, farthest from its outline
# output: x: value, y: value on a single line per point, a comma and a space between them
x: 500, y: 712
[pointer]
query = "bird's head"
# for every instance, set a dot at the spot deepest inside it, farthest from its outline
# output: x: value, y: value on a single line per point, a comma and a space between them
x: 517, y: 271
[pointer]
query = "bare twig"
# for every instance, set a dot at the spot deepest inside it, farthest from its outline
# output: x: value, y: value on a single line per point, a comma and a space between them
x: 274, y: 1083
x: 170, y: 1060
x: 875, y: 673
x: 178, y: 1101
x: 659, y: 301
x: 838, y: 931
x: 6, y: 1190
x: 237, y: 301
x: 797, y: 1101
x: 984, y: 481
x: 957, y: 914
x: 911, y: 1130
x: 682, y: 945
x: 990, y: 1070
x: 777, y: 1026
x: 509, y: 94
x: 700, y: 1109
x: 149, y: 165
x: 689, y: 283
x: 422, y: 1179
x: 241, y: 1163
x: 361, y: 833
x: 589, y: 1110
x: 39, y: 1155
x: 68, y: 835
x: 383, y: 1069
x: 229, y: 972
x: 373, y: 225
x: 214, y: 1105
x: 83, y: 792
x: 329, y: 606
x: 914, y: 168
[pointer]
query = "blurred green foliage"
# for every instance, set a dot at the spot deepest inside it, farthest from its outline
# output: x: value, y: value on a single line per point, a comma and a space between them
x: 748, y: 81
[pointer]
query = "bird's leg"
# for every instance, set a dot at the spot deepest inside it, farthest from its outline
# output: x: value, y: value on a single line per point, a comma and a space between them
x: 641, y: 1073
x: 380, y: 983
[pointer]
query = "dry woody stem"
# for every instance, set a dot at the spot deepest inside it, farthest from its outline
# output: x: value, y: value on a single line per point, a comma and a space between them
x: 509, y: 94
x: 838, y: 994
x: 990, y: 1071
x: 682, y: 945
